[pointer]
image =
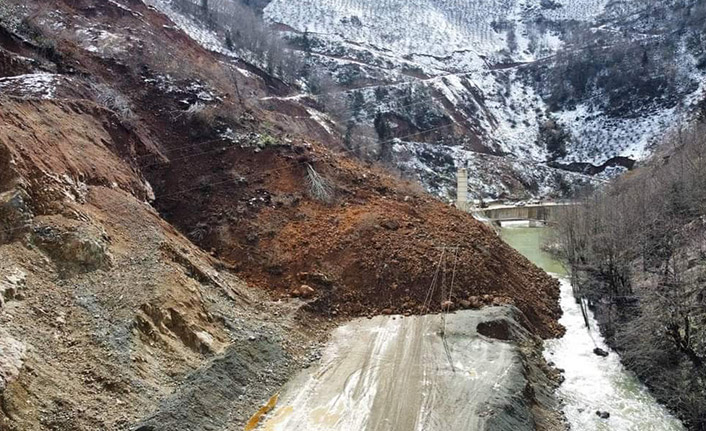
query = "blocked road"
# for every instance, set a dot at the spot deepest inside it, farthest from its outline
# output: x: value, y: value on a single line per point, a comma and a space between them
x: 395, y: 374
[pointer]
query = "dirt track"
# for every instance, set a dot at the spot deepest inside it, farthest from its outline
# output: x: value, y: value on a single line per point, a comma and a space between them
x: 392, y: 373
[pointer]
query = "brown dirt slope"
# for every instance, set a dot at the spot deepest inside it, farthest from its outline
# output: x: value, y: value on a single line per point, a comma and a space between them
x: 106, y: 311
x: 374, y: 249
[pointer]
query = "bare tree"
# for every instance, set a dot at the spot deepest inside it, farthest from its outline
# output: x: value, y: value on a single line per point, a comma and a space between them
x: 319, y: 187
x: 638, y: 250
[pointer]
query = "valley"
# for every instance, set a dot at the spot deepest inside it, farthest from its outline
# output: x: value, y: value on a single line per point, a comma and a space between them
x: 591, y: 383
x: 538, y: 83
x: 243, y: 215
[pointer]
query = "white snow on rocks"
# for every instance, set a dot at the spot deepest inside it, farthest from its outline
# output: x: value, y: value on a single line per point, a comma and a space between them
x: 469, y: 50
x: 102, y: 42
x: 125, y: 8
x: 602, y: 137
x: 36, y: 85
x: 495, y: 177
x: 436, y: 28
x: 204, y: 37
x: 468, y: 54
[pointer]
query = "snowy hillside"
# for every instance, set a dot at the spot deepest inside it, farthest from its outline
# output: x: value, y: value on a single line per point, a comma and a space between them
x: 482, y: 66
x: 573, y: 82
x: 439, y: 28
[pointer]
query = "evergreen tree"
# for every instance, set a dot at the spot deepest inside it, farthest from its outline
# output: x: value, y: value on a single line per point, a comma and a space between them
x: 381, y: 127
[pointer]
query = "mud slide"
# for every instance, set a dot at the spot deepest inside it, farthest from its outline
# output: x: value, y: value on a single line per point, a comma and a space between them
x: 394, y: 373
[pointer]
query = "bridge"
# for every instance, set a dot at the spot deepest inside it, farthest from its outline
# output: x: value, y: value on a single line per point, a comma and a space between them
x: 536, y: 214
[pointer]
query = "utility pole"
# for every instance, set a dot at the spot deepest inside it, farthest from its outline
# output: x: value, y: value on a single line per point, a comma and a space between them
x: 446, y: 295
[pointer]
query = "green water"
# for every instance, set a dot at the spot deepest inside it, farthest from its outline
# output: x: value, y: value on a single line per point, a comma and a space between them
x: 591, y: 382
x: 528, y: 241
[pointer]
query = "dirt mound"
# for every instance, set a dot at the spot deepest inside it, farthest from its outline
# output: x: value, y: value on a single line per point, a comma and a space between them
x: 375, y: 249
x: 235, y: 179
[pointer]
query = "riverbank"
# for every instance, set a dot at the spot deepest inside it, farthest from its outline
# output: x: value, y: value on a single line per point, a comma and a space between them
x: 591, y: 383
x: 637, y: 248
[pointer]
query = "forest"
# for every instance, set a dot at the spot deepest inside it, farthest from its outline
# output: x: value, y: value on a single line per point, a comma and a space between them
x: 636, y: 250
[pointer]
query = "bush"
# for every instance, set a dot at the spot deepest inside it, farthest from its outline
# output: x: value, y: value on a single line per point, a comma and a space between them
x: 319, y: 187
x: 111, y: 99
x: 554, y: 138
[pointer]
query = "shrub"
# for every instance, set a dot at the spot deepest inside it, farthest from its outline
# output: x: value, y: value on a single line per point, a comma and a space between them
x: 113, y: 100
x: 319, y: 187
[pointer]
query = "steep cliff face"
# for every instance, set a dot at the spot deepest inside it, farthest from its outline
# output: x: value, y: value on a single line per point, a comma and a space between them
x: 144, y: 180
x: 105, y: 307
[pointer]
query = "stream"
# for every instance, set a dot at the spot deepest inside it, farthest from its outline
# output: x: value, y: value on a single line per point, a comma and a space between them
x: 592, y: 382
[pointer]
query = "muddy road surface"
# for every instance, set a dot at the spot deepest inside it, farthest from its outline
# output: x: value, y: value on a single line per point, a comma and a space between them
x: 392, y: 373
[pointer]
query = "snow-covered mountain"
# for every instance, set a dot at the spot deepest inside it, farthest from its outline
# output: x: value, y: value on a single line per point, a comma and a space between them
x: 535, y: 97
x: 575, y: 82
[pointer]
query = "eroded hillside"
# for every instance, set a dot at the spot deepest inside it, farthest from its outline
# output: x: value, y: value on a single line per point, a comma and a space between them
x: 160, y: 212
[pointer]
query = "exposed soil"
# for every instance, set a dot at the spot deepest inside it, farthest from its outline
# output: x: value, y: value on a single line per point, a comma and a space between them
x: 118, y: 313
x: 374, y: 250
x: 106, y: 311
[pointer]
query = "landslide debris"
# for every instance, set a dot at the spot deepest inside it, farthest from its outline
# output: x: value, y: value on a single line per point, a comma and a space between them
x: 143, y: 182
x: 377, y: 246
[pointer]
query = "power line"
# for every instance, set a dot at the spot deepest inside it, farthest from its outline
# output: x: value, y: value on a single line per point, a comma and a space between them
x: 432, y: 287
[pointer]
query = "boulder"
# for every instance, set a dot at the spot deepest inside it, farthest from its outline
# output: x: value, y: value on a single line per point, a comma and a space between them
x: 390, y: 224
x: 448, y: 305
x: 600, y: 352
x: 11, y: 285
x: 315, y: 278
x: 83, y: 250
x: 303, y: 291
x: 12, y: 354
x: 602, y: 415
x: 475, y: 302
x: 15, y: 215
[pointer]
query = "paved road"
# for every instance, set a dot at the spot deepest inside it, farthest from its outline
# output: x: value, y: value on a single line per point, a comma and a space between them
x: 394, y: 374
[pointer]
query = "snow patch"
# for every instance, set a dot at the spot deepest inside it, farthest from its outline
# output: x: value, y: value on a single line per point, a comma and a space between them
x: 208, y: 39
x: 102, y: 42
x: 36, y: 85
x: 489, y: 177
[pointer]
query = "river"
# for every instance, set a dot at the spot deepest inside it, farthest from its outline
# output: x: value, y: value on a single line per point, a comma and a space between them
x: 591, y: 382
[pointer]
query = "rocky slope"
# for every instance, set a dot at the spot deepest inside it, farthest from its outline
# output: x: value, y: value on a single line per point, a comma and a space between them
x: 589, y: 85
x: 106, y: 307
x: 144, y: 180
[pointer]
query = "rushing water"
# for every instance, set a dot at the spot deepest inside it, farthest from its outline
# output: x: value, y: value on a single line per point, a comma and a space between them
x: 592, y: 382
